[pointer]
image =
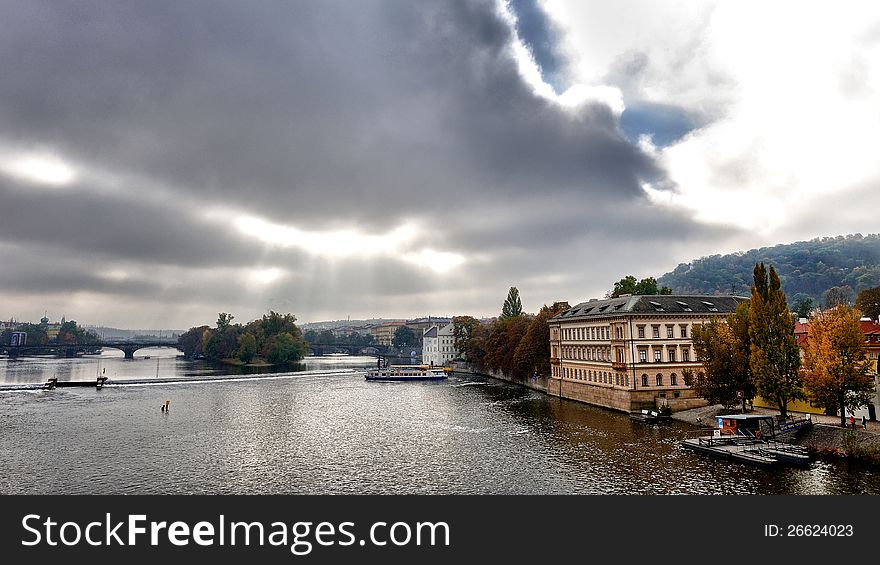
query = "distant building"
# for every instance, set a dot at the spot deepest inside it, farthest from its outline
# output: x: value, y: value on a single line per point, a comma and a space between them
x: 420, y: 325
x: 383, y: 334
x: 628, y: 353
x: 438, y: 345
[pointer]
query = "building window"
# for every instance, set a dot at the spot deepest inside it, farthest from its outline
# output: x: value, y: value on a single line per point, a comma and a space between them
x: 642, y: 332
x: 656, y: 356
x: 673, y: 380
x: 617, y: 379
x: 669, y: 332
x: 685, y: 354
x: 659, y: 379
x: 684, y: 330
x: 643, y: 355
x: 619, y: 333
x: 671, y: 355
x: 656, y: 332
x: 644, y: 380
x: 627, y: 380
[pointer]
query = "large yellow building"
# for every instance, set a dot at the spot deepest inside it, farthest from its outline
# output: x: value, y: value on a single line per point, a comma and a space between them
x: 628, y: 353
x: 383, y: 334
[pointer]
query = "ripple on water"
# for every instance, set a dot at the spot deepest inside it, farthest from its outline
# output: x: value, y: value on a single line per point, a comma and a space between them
x: 321, y: 434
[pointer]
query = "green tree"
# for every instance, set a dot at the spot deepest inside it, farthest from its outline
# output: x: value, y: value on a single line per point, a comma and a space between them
x: 774, y: 354
x: 285, y: 348
x: 644, y: 287
x: 647, y: 286
x: 404, y: 336
x: 868, y: 302
x: 626, y: 285
x: 190, y: 341
x: 326, y: 337
x: 836, y: 362
x: 71, y: 333
x: 838, y: 296
x: 723, y: 348
x: 224, y: 320
x: 802, y: 305
x: 36, y: 334
x: 311, y: 336
x: 462, y: 333
x: 512, y: 306
x: 247, y: 347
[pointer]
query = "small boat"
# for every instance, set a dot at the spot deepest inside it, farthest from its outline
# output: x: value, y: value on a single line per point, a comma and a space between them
x: 749, y: 438
x: 407, y: 373
x: 650, y: 417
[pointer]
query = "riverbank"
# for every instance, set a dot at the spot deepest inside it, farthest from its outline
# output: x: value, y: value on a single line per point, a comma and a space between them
x: 535, y: 383
x: 825, y: 438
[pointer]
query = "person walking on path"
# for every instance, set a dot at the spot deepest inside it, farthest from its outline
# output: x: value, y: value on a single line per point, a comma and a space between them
x: 864, y: 422
x: 852, y: 421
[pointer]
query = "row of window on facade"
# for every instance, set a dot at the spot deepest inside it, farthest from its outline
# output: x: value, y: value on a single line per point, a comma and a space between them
x: 587, y: 353
x: 605, y: 377
x: 604, y: 354
x: 592, y: 376
x: 670, y: 331
x: 670, y: 355
x: 583, y: 334
x: 602, y: 333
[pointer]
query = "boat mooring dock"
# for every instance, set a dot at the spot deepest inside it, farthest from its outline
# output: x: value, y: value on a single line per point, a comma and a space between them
x: 749, y: 439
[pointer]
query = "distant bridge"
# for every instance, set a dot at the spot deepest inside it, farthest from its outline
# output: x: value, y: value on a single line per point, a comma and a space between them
x: 318, y: 349
x: 73, y: 349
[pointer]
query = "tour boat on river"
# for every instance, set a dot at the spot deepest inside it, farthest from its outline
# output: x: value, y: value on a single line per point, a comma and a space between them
x: 407, y: 373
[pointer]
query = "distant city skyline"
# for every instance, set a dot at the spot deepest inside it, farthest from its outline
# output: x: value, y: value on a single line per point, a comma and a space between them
x: 163, y: 162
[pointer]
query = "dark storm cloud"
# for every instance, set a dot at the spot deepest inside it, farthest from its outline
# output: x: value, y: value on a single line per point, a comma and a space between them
x: 110, y: 227
x: 302, y: 109
x: 320, y: 115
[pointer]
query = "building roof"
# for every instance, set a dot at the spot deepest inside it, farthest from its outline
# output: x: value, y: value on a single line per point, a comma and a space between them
x: 430, y: 332
x: 652, y: 305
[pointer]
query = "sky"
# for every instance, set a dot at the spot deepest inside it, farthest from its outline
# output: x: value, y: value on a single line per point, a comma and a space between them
x: 161, y: 162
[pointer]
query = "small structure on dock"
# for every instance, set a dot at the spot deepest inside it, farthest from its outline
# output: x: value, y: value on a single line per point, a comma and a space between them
x: 650, y: 417
x: 749, y: 438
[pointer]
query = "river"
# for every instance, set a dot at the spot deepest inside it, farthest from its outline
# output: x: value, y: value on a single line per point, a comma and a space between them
x: 323, y: 429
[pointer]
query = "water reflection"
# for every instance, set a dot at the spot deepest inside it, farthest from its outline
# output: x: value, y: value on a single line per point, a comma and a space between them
x: 337, y: 433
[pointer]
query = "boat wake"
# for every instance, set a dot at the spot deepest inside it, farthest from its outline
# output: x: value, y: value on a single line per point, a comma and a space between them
x: 124, y: 383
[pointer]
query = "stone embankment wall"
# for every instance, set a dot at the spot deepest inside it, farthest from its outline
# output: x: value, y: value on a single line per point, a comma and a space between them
x: 623, y: 400
x: 539, y: 383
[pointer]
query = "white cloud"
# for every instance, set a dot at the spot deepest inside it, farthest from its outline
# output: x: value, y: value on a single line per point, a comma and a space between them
x: 789, y: 91
x: 402, y: 243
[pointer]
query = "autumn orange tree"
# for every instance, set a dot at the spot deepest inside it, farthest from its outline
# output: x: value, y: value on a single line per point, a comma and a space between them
x: 836, y: 362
